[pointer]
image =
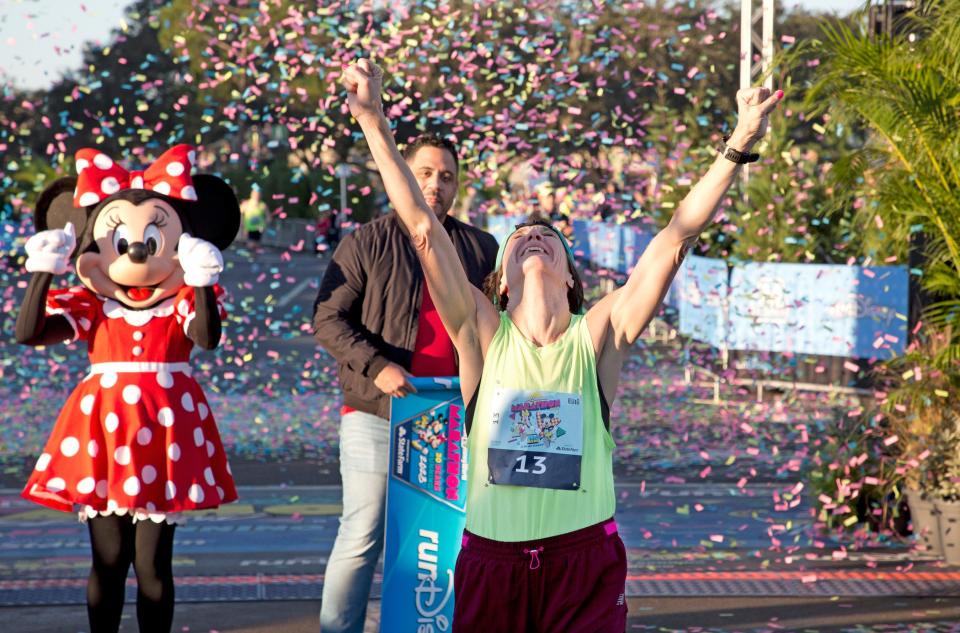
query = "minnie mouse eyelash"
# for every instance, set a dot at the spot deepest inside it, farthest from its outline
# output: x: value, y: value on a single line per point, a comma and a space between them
x: 114, y: 222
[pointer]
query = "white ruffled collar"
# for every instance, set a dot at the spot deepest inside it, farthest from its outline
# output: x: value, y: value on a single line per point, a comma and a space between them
x: 113, y: 309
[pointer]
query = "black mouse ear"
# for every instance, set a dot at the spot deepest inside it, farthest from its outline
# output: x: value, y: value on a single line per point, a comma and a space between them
x: 55, y: 208
x: 215, y: 215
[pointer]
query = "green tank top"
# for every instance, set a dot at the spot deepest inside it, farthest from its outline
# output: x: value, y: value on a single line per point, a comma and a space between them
x: 524, y: 392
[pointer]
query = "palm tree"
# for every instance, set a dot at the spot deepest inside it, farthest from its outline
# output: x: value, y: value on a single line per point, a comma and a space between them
x: 905, y: 91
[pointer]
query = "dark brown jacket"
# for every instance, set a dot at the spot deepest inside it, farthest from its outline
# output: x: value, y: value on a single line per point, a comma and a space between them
x: 368, y: 307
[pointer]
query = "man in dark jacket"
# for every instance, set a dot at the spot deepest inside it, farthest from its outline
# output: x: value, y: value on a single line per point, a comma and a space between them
x: 374, y: 315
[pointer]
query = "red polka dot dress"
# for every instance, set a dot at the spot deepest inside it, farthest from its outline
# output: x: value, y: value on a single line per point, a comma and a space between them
x: 136, y: 436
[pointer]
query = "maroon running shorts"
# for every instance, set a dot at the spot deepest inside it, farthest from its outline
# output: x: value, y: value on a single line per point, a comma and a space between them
x: 571, y: 583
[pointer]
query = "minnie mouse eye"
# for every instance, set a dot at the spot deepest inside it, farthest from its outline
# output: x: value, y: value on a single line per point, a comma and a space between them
x: 153, y: 238
x: 121, y: 239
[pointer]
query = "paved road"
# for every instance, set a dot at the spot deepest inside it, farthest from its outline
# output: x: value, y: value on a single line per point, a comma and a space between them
x: 700, y: 539
x: 699, y: 555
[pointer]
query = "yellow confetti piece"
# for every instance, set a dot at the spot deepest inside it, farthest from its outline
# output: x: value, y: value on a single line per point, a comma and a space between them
x: 941, y: 393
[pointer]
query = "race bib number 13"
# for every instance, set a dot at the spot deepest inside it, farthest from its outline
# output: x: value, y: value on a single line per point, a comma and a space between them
x: 536, y: 439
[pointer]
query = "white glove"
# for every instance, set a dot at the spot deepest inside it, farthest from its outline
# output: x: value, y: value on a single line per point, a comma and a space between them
x: 201, y: 261
x: 49, y: 251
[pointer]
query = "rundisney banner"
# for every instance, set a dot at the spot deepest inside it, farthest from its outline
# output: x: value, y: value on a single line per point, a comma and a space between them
x: 426, y: 495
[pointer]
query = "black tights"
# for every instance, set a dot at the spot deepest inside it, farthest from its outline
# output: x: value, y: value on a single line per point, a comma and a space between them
x: 116, y: 542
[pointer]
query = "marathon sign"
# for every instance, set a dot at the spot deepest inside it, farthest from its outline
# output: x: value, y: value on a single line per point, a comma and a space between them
x: 425, y: 514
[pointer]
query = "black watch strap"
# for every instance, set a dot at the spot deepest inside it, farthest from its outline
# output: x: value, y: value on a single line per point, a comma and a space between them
x: 741, y: 158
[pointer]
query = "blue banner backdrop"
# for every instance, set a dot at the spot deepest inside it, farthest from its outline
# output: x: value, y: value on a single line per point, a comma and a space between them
x: 605, y: 245
x: 701, y: 291
x: 829, y: 309
x: 426, y: 495
x: 825, y: 309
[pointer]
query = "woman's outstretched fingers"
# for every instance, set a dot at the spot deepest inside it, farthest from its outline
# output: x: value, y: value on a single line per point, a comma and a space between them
x: 772, y: 101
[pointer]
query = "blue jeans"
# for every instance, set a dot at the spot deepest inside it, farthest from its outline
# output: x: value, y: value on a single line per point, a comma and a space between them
x: 364, y: 455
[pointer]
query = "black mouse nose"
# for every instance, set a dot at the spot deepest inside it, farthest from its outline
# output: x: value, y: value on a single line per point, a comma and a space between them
x: 137, y: 252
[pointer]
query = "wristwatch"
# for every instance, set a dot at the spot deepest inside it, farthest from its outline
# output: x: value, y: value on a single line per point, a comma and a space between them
x: 741, y: 158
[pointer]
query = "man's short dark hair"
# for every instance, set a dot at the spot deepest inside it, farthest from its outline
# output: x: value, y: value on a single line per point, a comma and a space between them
x: 430, y: 139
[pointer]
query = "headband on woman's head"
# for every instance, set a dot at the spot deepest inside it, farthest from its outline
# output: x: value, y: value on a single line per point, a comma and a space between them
x: 563, y: 240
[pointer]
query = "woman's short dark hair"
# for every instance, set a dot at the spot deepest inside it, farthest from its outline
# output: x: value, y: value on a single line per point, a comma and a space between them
x: 491, y: 284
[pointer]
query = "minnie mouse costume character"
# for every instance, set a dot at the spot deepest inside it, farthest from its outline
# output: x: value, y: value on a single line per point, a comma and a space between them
x: 135, y: 444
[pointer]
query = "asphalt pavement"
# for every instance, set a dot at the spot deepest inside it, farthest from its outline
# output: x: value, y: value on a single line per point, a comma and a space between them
x: 706, y: 551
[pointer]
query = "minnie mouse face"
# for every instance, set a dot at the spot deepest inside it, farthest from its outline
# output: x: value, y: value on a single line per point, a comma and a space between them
x: 128, y: 233
x: 135, y: 259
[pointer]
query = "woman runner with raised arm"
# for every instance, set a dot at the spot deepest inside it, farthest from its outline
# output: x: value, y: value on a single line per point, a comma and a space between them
x: 541, y: 551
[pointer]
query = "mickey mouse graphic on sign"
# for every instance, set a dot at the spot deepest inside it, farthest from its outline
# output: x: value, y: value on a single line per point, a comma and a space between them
x: 135, y: 443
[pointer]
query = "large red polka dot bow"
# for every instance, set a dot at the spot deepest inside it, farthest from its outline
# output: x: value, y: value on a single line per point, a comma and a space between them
x: 98, y: 176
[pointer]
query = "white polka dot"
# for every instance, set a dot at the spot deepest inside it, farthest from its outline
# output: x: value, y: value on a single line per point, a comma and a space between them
x: 195, y: 493
x: 43, y: 462
x: 170, y: 490
x: 149, y: 474
x: 138, y: 335
x: 221, y: 493
x: 188, y: 193
x: 108, y: 380
x: 112, y: 505
x: 208, y: 476
x: 210, y: 449
x: 136, y: 182
x: 57, y: 484
x: 86, y: 403
x: 162, y: 188
x: 84, y: 323
x: 175, y: 168
x: 101, y: 489
x: 70, y: 446
x: 137, y: 350
x: 198, y: 436
x: 103, y: 161
x: 151, y: 506
x: 131, y: 486
x: 203, y: 410
x: 131, y: 394
x: 229, y: 470
x: 187, y: 402
x: 89, y: 198
x: 109, y: 185
x: 165, y: 379
x: 144, y: 436
x: 86, y: 485
x: 183, y: 307
x: 82, y: 163
x: 122, y: 455
x: 93, y: 449
x: 173, y: 452
x: 111, y: 422
x: 165, y: 417
x: 192, y: 157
